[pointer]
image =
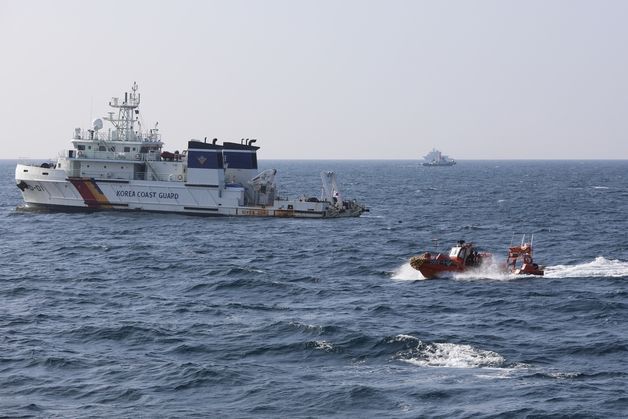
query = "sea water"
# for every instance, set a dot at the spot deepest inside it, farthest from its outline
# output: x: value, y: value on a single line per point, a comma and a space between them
x: 137, y: 314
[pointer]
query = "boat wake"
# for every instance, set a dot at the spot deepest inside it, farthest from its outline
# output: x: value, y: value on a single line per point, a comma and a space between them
x: 491, y: 270
x: 407, y: 273
x: 598, y: 268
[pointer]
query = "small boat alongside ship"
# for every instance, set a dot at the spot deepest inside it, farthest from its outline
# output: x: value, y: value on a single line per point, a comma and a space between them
x: 465, y: 257
x: 435, y: 158
x: 125, y: 168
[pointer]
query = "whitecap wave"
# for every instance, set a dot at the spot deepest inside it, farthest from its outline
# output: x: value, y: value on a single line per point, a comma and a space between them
x: 598, y: 268
x: 451, y: 355
x: 403, y: 338
x: 323, y: 345
x: 407, y: 273
x: 563, y: 375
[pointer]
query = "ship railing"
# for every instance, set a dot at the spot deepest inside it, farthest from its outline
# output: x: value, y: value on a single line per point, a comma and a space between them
x: 84, y: 134
x: 29, y: 161
x: 112, y: 155
x: 112, y: 135
x: 106, y: 155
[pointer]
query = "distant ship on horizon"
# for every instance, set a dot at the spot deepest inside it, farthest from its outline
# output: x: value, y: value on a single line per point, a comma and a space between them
x: 436, y: 158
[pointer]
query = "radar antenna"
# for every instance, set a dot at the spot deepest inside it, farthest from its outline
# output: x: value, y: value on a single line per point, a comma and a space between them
x: 125, y: 121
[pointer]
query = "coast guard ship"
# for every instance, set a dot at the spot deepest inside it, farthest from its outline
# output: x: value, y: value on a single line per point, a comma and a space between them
x: 124, y: 168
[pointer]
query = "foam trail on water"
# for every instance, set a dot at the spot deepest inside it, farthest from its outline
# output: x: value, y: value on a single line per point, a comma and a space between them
x: 407, y: 273
x: 598, y: 268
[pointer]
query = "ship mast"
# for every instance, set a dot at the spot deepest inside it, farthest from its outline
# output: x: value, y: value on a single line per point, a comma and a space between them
x: 125, y: 120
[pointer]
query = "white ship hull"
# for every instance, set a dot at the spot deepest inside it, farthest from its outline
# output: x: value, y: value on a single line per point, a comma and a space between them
x: 53, y: 189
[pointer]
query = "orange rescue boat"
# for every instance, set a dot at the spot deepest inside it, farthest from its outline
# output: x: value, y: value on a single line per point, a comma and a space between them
x: 462, y: 256
x: 519, y: 260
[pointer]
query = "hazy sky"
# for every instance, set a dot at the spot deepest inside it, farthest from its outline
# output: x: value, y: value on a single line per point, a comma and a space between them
x: 325, y: 79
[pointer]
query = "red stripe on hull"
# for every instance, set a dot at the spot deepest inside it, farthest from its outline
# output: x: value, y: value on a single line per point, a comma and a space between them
x: 86, y: 193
